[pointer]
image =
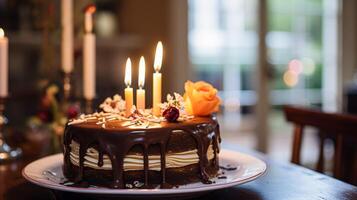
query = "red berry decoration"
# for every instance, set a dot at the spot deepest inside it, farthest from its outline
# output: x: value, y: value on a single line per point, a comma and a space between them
x: 171, y: 114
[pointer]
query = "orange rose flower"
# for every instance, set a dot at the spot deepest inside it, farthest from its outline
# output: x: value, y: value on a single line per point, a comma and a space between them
x: 201, y: 98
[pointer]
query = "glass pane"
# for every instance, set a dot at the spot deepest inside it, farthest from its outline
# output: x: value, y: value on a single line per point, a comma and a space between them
x: 295, y: 45
x: 223, y: 46
x: 223, y: 50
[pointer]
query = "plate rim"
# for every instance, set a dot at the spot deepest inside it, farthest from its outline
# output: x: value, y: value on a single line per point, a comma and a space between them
x: 143, y: 192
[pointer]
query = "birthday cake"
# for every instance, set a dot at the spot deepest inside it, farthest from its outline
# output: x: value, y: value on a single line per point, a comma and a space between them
x: 181, y: 146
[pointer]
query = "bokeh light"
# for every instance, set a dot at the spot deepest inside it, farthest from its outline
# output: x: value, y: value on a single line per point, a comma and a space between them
x: 296, y: 66
x: 291, y: 78
x: 309, y: 66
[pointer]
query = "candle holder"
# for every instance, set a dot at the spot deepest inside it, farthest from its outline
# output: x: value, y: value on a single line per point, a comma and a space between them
x: 66, y: 87
x: 6, y: 152
x: 88, y: 106
x: 66, y: 91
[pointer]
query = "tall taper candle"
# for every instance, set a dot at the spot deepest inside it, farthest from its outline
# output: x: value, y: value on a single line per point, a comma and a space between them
x: 89, y: 56
x: 128, y: 90
x: 140, y: 93
x: 4, y: 66
x: 157, y: 80
x: 67, y: 35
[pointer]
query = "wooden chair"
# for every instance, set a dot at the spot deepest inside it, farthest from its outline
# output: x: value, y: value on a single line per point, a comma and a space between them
x: 340, y: 127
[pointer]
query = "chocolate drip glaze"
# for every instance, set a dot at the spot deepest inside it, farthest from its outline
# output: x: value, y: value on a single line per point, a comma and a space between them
x: 100, y: 158
x: 116, y: 141
x: 146, y: 165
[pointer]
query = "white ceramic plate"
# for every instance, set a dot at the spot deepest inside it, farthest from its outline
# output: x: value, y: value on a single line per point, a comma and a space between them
x: 248, y: 169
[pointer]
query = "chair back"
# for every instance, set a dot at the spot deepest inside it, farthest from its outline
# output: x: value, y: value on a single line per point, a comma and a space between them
x: 341, y: 128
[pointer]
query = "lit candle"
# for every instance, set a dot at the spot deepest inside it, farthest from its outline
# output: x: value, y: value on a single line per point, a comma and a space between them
x: 140, y: 93
x: 157, y: 80
x: 4, y: 67
x: 128, y: 90
x: 67, y: 36
x: 89, y: 55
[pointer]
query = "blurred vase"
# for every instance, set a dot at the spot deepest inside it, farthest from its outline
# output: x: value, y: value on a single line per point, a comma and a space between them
x: 45, y: 138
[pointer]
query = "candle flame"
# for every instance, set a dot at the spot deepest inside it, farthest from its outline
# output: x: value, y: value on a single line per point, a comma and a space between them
x: 141, y: 72
x: 158, y: 57
x: 127, y: 79
x: 2, y: 33
x: 90, y: 9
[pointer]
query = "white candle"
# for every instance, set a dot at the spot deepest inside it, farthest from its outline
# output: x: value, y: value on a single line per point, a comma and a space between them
x: 88, y: 18
x: 4, y: 67
x: 67, y: 36
x: 89, y: 59
x: 88, y: 21
x: 157, y: 80
x: 128, y: 93
x: 140, y: 93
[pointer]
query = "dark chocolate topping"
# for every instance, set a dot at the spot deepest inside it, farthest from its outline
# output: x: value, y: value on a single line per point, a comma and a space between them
x: 116, y: 140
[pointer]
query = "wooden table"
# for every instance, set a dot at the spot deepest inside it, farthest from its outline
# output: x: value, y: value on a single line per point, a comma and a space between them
x: 281, y: 181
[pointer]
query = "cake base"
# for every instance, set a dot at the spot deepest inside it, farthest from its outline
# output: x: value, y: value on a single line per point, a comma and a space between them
x: 116, y: 141
x: 135, y: 179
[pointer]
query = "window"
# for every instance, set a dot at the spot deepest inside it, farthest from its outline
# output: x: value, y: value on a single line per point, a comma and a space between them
x: 301, y: 44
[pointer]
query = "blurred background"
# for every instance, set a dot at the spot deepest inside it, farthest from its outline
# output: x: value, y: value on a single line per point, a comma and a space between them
x: 260, y: 54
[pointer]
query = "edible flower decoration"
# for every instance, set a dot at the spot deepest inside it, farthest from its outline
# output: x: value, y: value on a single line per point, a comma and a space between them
x: 176, y: 101
x: 113, y: 105
x: 201, y: 98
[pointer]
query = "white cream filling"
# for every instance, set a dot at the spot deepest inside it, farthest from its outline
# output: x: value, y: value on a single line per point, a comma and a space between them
x: 136, y: 161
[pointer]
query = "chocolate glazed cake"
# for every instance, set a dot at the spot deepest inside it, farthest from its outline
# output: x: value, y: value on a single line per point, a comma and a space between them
x: 117, y: 155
